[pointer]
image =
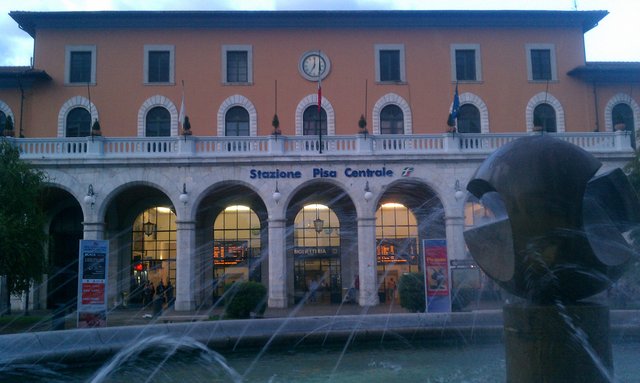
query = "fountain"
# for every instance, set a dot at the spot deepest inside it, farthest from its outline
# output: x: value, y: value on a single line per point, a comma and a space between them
x: 558, y: 234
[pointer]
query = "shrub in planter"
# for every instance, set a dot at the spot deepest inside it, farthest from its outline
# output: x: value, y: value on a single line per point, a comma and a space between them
x: 244, y: 299
x: 411, y: 290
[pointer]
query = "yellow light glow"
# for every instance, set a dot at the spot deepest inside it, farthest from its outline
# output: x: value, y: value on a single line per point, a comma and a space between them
x: 237, y: 208
x: 315, y: 206
x: 391, y: 205
x: 162, y: 209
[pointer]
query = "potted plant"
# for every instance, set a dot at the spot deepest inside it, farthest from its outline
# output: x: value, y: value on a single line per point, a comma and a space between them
x: 186, y: 127
x: 95, y: 128
x: 618, y: 122
x: 276, y: 125
x: 362, y: 124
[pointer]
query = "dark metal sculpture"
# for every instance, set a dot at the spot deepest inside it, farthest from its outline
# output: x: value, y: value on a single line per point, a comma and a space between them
x: 557, y: 232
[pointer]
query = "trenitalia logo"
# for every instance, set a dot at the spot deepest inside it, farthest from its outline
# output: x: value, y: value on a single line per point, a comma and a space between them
x: 406, y: 172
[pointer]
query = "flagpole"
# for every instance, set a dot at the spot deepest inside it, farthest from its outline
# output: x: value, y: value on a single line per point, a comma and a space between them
x: 319, y: 106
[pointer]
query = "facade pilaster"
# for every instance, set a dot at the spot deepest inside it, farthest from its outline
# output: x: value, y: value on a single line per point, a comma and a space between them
x: 185, y: 266
x: 367, y: 262
x: 277, y: 264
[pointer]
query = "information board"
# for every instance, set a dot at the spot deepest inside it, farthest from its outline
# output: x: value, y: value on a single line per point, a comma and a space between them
x: 92, y: 283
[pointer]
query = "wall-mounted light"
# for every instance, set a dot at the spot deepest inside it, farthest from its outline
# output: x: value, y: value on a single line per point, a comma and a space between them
x: 276, y: 194
x: 367, y: 192
x: 458, y: 191
x: 184, y: 197
x: 90, y: 198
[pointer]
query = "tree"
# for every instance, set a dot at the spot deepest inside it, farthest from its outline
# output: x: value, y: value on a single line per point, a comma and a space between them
x: 22, y: 238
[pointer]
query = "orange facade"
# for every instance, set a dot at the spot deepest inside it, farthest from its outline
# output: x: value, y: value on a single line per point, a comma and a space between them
x: 350, y: 87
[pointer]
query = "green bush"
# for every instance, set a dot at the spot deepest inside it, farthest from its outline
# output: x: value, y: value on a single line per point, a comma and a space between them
x: 411, y: 289
x: 246, y: 298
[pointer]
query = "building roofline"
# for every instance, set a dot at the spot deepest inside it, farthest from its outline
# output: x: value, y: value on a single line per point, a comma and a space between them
x: 30, y: 22
x: 611, y: 72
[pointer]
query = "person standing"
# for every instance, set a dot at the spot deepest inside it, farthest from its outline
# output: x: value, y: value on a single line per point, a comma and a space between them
x: 169, y: 293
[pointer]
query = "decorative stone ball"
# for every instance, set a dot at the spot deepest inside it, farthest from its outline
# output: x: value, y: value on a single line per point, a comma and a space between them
x: 555, y: 231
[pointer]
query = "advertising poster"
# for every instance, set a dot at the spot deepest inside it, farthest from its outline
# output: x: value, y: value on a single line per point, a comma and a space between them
x: 436, y: 275
x: 92, y: 283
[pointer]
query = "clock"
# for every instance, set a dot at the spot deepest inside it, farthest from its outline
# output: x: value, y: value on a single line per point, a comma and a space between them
x: 314, y: 65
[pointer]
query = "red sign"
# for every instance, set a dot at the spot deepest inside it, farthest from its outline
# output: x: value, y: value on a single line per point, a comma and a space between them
x: 93, y: 293
x: 437, y: 270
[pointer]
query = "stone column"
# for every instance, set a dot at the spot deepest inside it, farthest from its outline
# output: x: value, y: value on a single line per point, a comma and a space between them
x: 277, y: 264
x: 367, y: 262
x: 455, y: 237
x: 185, y: 266
x: 93, y: 230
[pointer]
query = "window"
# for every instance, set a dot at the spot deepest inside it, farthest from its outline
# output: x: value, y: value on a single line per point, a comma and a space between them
x: 3, y: 121
x: 237, y: 64
x: 391, y: 120
x: 78, y: 123
x: 237, y: 122
x: 541, y: 62
x: 312, y: 124
x: 390, y: 63
x: 468, y: 119
x: 80, y: 64
x: 465, y: 62
x: 159, y: 64
x: 622, y: 114
x: 544, y: 116
x: 158, y: 123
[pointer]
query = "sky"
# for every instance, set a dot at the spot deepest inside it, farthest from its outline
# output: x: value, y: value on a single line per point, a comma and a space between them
x: 616, y: 38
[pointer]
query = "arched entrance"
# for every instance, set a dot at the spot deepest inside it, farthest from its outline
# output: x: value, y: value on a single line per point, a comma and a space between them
x: 65, y: 233
x: 153, y: 255
x: 396, y: 247
x: 236, y: 248
x: 322, y: 245
x: 409, y: 213
x: 316, y: 254
x: 231, y: 233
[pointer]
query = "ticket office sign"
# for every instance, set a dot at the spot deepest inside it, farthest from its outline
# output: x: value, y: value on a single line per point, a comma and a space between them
x: 92, y: 283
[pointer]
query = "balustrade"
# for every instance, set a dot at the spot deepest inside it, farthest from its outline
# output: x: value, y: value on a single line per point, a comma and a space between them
x: 265, y: 146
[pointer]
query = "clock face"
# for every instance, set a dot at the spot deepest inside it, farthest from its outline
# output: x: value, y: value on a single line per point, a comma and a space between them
x: 314, y: 65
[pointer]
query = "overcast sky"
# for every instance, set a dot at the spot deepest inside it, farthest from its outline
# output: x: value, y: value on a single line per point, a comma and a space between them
x: 617, y: 38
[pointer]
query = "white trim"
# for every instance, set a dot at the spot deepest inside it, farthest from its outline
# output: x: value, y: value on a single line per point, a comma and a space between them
x: 244, y: 48
x: 237, y: 100
x: 389, y: 99
x: 545, y: 98
x: 159, y: 48
x: 72, y: 103
x: 152, y: 102
x: 390, y: 47
x: 475, y: 100
x: 312, y: 99
x: 552, y: 57
x: 454, y: 68
x: 620, y: 98
x: 68, y: 49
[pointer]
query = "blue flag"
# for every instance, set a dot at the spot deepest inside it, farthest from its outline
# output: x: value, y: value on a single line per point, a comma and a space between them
x: 453, y: 115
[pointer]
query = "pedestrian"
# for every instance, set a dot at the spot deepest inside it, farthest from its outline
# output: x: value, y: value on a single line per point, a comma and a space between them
x: 392, y: 288
x: 169, y: 293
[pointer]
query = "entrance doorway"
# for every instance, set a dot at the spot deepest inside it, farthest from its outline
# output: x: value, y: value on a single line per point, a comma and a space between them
x: 397, y: 248
x: 316, y: 253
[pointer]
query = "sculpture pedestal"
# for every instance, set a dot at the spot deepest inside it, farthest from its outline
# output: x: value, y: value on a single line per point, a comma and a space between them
x: 546, y: 343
